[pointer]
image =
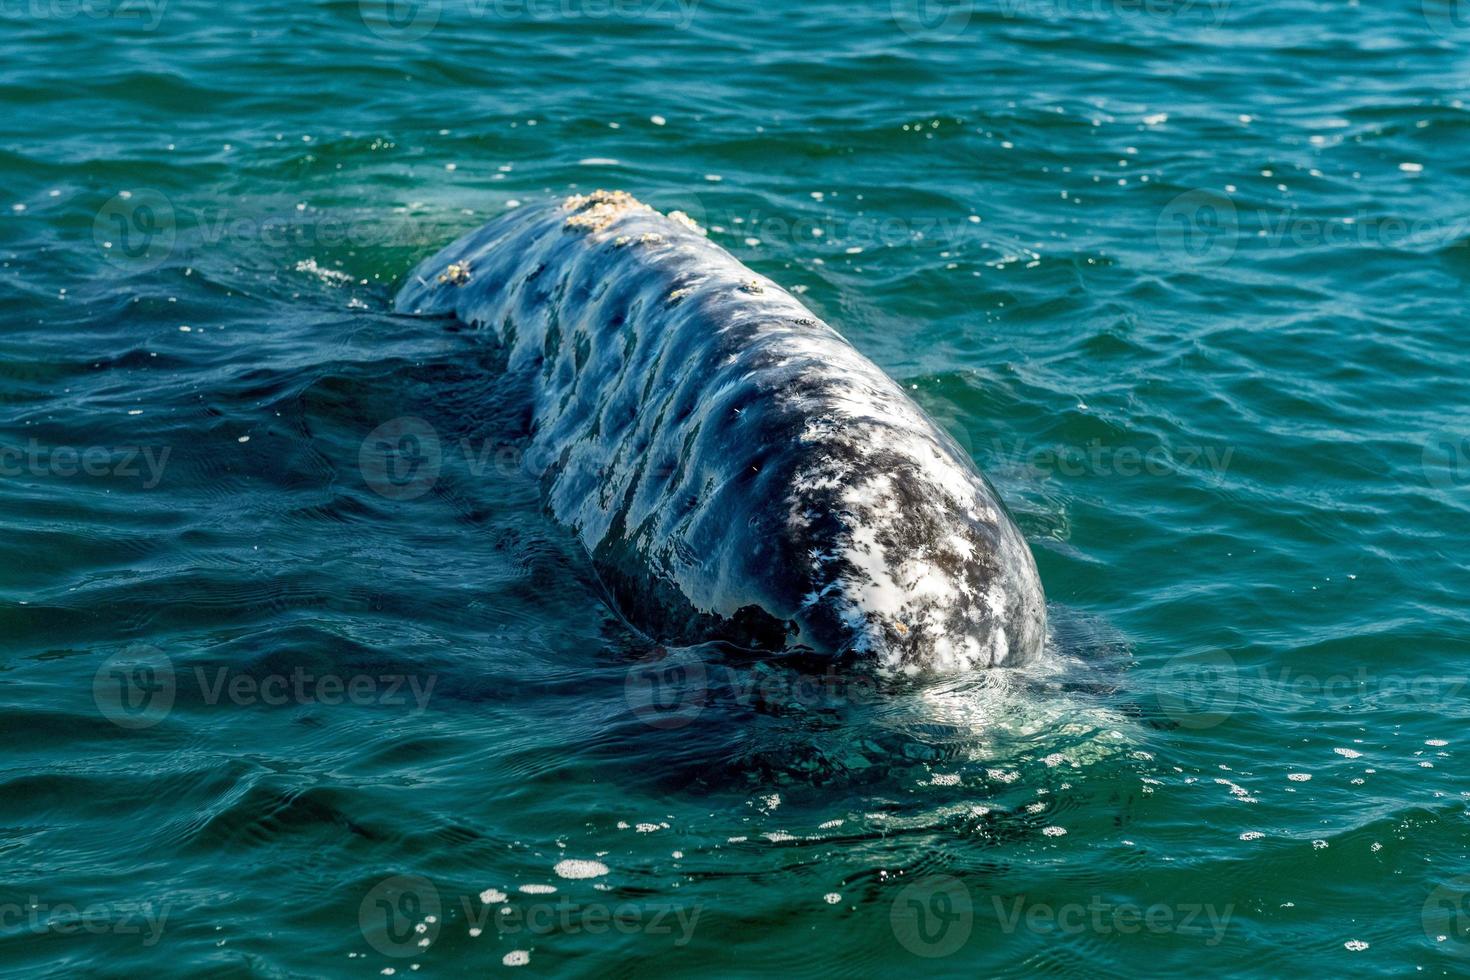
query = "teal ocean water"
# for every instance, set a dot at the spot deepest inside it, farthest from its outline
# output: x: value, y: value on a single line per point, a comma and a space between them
x: 298, y: 679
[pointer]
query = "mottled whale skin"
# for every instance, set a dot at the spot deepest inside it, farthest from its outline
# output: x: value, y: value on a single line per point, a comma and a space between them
x: 735, y: 469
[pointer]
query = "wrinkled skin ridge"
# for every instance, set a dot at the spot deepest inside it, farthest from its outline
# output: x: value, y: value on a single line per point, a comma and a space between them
x: 735, y: 469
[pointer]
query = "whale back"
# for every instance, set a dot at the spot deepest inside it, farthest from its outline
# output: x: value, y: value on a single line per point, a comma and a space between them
x: 735, y: 468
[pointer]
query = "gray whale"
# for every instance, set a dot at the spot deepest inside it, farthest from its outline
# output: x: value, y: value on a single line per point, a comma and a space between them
x: 735, y: 469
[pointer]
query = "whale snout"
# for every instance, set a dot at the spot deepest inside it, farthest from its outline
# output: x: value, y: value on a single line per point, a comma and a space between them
x: 915, y: 573
x: 1003, y: 625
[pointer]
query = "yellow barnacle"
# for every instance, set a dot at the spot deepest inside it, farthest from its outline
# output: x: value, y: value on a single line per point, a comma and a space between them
x: 457, y: 274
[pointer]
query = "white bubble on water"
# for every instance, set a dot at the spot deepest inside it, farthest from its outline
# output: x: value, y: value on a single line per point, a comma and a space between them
x: 575, y: 869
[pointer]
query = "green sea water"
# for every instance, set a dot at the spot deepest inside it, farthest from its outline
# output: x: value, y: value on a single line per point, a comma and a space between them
x: 1188, y: 279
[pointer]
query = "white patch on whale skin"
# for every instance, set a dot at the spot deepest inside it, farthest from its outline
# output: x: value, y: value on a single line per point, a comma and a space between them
x: 874, y: 590
x: 660, y: 363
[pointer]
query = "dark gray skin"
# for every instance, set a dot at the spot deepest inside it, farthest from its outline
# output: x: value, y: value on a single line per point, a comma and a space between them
x: 735, y: 469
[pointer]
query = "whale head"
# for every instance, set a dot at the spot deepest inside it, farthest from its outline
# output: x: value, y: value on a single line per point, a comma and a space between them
x: 906, y: 555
